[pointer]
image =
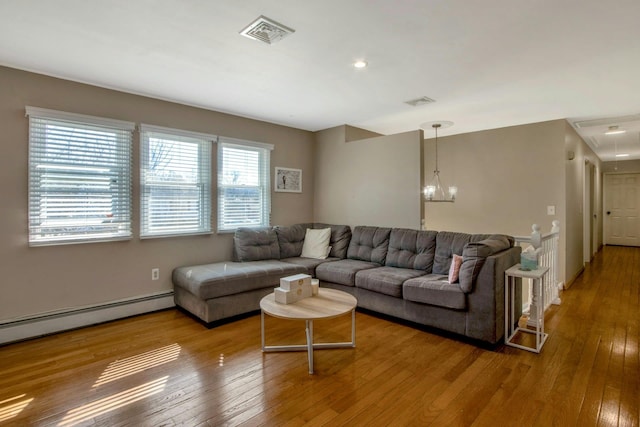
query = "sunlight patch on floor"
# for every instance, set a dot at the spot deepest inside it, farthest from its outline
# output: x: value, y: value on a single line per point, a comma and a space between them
x: 113, y: 402
x: 134, y: 364
x: 9, y: 408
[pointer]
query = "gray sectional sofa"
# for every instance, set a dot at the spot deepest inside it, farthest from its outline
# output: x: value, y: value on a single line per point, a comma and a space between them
x: 397, y: 272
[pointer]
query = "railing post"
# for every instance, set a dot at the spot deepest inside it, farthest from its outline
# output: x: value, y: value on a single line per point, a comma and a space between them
x: 536, y: 237
x: 536, y: 242
x: 555, y: 230
x: 547, y: 246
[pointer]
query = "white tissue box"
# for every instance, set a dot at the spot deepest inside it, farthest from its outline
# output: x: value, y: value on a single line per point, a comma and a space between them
x: 284, y: 296
x: 298, y: 281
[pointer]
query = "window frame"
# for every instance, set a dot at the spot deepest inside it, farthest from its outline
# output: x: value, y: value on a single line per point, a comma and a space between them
x: 118, y: 172
x: 264, y: 186
x: 203, y: 163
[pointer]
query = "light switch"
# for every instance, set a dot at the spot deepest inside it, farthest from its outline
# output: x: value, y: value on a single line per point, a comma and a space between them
x: 551, y: 210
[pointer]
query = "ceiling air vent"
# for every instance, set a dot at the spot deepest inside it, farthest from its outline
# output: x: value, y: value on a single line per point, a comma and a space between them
x: 266, y: 30
x: 420, y: 101
x: 606, y: 122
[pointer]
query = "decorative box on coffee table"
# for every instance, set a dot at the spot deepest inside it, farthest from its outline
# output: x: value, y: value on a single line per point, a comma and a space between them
x: 293, y: 289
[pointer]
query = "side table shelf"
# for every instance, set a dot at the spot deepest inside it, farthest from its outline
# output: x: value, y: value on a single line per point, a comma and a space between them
x: 510, y: 330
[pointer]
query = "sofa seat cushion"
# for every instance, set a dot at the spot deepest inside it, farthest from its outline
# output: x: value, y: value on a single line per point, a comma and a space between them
x: 309, y: 263
x: 229, y: 278
x: 342, y: 272
x: 386, y: 280
x: 434, y: 289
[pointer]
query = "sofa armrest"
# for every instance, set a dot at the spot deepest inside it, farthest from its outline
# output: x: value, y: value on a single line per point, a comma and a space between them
x: 485, y: 304
x: 474, y: 255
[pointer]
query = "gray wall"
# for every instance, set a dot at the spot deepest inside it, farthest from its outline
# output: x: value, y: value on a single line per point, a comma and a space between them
x: 42, y: 279
x: 575, y: 200
x: 507, y: 177
x: 371, y: 181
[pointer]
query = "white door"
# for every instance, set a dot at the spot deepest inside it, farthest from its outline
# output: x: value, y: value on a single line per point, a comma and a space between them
x: 621, y: 209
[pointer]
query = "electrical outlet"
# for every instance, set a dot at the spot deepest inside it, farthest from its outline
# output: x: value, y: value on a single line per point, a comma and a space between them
x: 155, y: 273
x: 551, y: 210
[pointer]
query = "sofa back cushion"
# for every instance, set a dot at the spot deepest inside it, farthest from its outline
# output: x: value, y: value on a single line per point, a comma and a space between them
x: 254, y: 244
x: 369, y: 244
x: 340, y: 239
x: 291, y: 239
x: 426, y: 250
x: 411, y: 249
x: 447, y: 244
x: 474, y: 255
x: 402, y: 250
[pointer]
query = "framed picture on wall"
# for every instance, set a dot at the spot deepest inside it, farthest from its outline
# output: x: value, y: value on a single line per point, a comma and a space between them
x: 288, y: 180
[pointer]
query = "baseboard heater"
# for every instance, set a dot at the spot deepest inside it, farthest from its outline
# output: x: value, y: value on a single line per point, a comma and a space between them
x: 62, y: 320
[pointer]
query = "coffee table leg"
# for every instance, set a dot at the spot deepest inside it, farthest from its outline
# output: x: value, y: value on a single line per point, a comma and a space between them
x: 309, y: 331
x: 353, y: 327
x: 262, y: 327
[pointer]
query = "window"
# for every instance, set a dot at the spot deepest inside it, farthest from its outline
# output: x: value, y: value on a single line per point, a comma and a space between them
x: 175, y: 182
x: 244, y: 192
x: 79, y: 178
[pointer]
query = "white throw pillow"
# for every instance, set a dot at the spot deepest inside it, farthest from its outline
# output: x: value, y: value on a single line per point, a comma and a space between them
x: 316, y: 243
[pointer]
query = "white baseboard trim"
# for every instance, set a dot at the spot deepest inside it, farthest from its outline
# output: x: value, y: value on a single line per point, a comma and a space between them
x: 62, y: 320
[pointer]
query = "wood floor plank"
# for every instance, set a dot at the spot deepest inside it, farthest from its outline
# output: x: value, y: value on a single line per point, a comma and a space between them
x: 165, y: 369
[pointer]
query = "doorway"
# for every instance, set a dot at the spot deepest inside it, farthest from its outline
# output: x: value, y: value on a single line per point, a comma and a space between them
x: 590, y: 238
x: 622, y: 207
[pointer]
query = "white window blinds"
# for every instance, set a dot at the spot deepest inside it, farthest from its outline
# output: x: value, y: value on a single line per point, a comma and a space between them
x: 79, y: 178
x: 175, y: 182
x: 244, y: 191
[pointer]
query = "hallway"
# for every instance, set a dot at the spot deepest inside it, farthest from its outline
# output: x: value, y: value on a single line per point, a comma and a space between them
x: 597, y: 325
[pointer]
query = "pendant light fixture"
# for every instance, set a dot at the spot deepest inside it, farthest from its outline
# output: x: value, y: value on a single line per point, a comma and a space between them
x: 434, y: 191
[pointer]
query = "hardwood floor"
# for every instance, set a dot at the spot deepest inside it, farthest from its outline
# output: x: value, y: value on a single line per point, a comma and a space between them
x: 166, y: 369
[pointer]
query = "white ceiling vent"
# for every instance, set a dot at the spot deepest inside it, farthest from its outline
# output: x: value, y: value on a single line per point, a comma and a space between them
x: 266, y: 30
x: 594, y: 142
x: 606, y: 122
x: 420, y: 101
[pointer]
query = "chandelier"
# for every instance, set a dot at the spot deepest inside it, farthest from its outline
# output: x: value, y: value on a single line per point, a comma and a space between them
x: 434, y: 191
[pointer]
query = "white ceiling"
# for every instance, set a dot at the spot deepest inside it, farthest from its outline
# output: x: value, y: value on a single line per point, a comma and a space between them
x: 488, y: 64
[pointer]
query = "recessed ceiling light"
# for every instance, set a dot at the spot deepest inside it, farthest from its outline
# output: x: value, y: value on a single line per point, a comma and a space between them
x: 622, y: 155
x: 360, y: 64
x: 614, y: 130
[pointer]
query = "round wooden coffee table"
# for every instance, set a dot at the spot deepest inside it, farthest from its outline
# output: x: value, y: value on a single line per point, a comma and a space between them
x: 327, y: 304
